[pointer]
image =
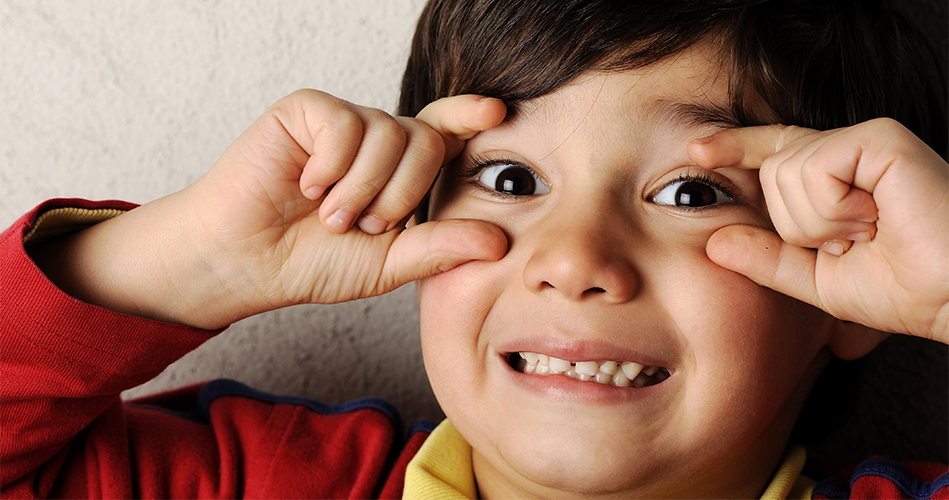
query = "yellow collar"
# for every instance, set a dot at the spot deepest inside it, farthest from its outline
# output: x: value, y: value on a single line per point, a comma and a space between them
x: 442, y: 467
x: 442, y: 470
x: 788, y: 481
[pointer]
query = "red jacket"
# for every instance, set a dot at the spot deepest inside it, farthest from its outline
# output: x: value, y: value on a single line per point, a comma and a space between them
x: 65, y: 432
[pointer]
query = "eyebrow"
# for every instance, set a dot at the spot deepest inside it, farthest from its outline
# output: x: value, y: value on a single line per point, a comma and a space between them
x: 694, y: 114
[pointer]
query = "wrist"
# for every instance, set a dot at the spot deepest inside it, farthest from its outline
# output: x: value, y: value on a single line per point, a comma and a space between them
x: 149, y: 262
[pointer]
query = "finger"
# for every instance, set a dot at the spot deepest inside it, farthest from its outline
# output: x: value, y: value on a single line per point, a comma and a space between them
x: 746, y: 147
x: 829, y: 175
x: 383, y: 143
x: 434, y: 247
x: 767, y: 260
x: 452, y: 121
x: 459, y: 118
x: 411, y: 180
x: 327, y: 129
x: 791, y: 215
x: 798, y: 192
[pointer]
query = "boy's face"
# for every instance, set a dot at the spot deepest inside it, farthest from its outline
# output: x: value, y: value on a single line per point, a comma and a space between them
x: 607, y: 220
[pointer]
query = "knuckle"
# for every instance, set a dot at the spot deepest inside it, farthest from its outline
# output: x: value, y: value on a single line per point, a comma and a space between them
x: 344, y: 121
x: 785, y: 179
x: 790, y: 134
x: 772, y: 165
x: 813, y: 172
x: 394, y: 207
x: 785, y: 135
x: 426, y: 145
x: 361, y: 192
x: 386, y: 126
x: 895, y: 132
x: 304, y: 94
x: 885, y: 124
x: 398, y: 199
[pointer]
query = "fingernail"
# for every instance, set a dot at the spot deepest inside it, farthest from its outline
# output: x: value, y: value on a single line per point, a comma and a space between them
x: 372, y: 225
x: 314, y: 192
x: 833, y: 247
x: 862, y: 236
x: 340, y: 220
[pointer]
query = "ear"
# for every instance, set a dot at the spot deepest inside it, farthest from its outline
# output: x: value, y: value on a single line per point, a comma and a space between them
x: 850, y: 341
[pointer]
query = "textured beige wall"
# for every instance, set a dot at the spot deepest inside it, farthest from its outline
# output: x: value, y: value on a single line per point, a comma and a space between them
x: 135, y: 99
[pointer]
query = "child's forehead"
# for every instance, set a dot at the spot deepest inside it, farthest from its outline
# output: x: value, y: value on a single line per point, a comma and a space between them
x: 683, y: 95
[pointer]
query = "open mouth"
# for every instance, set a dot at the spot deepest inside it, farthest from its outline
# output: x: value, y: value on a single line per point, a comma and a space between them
x: 613, y: 373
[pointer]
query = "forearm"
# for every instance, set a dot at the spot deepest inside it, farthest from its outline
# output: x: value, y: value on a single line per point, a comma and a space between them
x: 148, y: 263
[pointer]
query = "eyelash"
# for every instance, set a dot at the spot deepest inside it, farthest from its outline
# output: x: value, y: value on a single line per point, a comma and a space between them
x: 479, y: 163
x: 704, y: 178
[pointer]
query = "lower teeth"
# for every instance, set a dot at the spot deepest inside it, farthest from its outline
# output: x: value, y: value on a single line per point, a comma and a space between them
x: 648, y: 376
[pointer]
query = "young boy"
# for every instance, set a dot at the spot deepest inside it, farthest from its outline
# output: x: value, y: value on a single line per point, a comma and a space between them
x: 625, y: 290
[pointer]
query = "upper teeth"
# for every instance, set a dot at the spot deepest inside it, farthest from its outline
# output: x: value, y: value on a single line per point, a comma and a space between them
x: 603, y: 372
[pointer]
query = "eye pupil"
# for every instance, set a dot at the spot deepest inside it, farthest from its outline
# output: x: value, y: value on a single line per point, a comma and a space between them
x: 695, y: 195
x: 515, y: 181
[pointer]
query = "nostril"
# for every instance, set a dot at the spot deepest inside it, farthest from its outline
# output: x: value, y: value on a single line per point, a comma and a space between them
x: 596, y: 289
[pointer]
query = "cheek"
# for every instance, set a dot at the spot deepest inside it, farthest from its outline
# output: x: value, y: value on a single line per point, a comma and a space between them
x: 452, y: 307
x: 726, y: 315
x: 750, y: 346
x: 444, y: 327
x: 443, y: 338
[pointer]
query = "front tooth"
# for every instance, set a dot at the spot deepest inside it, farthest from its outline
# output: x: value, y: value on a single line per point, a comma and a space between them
x: 542, y: 369
x: 609, y: 367
x: 652, y: 370
x: 631, y: 370
x: 588, y: 368
x: 603, y: 378
x: 531, y: 357
x: 620, y: 380
x: 558, y: 365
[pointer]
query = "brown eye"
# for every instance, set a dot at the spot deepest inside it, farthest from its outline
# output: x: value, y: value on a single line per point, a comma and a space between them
x: 512, y: 180
x: 687, y: 193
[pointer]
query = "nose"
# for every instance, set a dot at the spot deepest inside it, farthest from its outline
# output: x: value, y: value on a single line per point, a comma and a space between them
x: 581, y: 260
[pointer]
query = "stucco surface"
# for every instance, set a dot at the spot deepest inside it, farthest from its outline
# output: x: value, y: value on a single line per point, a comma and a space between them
x: 135, y: 99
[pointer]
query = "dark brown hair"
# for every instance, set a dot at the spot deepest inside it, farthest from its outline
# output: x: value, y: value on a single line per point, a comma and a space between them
x: 818, y: 63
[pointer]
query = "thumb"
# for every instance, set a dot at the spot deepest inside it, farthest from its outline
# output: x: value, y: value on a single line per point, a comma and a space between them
x: 745, y: 148
x: 766, y: 259
x: 438, y: 246
x: 459, y: 118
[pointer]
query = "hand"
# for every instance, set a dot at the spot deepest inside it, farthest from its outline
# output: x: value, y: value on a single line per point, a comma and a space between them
x: 873, y: 199
x: 308, y: 205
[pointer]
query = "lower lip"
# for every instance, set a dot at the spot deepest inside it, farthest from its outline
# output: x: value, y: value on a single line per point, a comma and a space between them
x: 563, y: 388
